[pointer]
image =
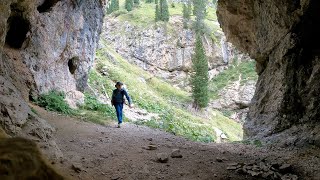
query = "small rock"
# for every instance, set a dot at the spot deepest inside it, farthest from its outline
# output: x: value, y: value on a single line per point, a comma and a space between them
x: 218, y: 159
x: 162, y: 157
x: 176, y: 153
x: 115, y: 178
x: 149, y: 139
x: 285, y: 168
x: 151, y: 147
x: 289, y: 177
x: 103, y: 156
x: 77, y: 168
x: 231, y: 168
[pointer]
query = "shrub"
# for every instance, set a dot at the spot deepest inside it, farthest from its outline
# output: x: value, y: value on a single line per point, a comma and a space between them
x: 54, y: 101
x: 92, y: 104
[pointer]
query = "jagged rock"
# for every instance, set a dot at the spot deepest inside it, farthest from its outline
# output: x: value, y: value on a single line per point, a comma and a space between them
x: 43, y: 48
x: 77, y: 167
x: 176, y: 153
x: 14, y: 151
x: 263, y: 170
x: 74, y: 99
x: 278, y: 34
x: 162, y: 157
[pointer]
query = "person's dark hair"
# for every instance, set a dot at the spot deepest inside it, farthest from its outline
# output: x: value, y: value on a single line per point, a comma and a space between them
x: 119, y: 83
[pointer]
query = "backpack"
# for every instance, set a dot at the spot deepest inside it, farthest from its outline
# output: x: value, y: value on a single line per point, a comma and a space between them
x: 123, y: 101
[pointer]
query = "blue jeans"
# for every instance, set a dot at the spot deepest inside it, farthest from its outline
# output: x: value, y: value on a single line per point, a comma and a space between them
x: 119, y: 107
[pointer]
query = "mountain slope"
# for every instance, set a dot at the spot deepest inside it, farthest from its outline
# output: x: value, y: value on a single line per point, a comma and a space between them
x: 156, y: 96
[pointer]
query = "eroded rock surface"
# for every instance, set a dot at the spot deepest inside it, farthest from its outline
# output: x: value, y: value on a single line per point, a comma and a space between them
x: 44, y: 45
x: 283, y: 37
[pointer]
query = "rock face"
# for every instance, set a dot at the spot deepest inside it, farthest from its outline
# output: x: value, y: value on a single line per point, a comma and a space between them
x: 164, y: 52
x: 235, y: 98
x: 282, y: 36
x: 44, y: 45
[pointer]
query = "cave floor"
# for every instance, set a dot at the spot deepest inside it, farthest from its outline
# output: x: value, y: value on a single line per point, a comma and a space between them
x: 93, y: 151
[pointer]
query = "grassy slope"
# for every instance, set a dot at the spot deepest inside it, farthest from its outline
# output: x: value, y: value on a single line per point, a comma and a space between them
x: 246, y: 69
x: 157, y: 96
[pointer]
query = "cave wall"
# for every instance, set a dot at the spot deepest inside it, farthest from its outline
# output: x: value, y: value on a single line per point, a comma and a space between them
x: 44, y: 45
x: 283, y: 37
x: 55, y: 40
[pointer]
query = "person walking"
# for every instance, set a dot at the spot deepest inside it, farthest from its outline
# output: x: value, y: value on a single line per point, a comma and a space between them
x: 118, y: 100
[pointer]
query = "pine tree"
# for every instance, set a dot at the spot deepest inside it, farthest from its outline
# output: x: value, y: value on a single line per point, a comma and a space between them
x: 116, y: 5
x: 164, y: 11
x: 136, y: 2
x: 199, y: 10
x: 186, y: 16
x: 129, y: 5
x: 157, y: 16
x: 110, y: 8
x: 200, y: 78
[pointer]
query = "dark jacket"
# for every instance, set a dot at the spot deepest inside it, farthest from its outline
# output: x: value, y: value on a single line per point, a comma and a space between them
x: 118, y: 96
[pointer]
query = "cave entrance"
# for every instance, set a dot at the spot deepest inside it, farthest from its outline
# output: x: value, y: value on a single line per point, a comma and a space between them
x: 18, y: 29
x: 72, y: 64
x: 47, y: 5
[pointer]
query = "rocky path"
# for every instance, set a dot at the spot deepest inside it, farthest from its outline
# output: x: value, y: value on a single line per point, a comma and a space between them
x: 135, y: 152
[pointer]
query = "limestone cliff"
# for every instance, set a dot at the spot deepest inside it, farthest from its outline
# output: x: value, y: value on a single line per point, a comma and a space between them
x: 44, y: 45
x: 166, y: 51
x: 283, y: 37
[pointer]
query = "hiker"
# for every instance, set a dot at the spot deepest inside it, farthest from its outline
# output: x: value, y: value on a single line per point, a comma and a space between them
x: 118, y: 100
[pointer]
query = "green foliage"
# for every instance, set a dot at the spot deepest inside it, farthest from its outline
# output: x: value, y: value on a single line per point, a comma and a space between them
x: 186, y: 11
x: 157, y: 96
x: 113, y: 6
x: 157, y: 16
x: 244, y: 69
x: 173, y: 5
x: 129, y: 5
x: 199, y: 11
x: 136, y: 2
x: 200, y: 78
x: 149, y: 1
x: 54, y: 101
x: 119, y: 13
x: 164, y: 11
x: 96, y: 112
x: 33, y: 110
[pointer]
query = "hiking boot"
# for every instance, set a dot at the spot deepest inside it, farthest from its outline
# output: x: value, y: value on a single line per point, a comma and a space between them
x: 119, y: 126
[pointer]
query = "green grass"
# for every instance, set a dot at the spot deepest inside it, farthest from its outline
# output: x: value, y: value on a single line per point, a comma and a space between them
x: 246, y: 69
x: 157, y: 96
x: 96, y: 112
x: 54, y: 101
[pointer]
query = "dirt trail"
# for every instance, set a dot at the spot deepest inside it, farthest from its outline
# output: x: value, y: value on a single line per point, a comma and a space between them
x: 99, y: 152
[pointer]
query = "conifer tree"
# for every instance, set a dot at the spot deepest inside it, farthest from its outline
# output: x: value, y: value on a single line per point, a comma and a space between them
x: 199, y: 10
x: 200, y: 78
x: 129, y: 5
x: 186, y: 16
x: 157, y: 15
x: 116, y: 5
x: 164, y: 11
